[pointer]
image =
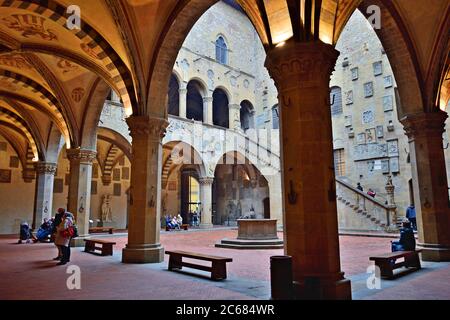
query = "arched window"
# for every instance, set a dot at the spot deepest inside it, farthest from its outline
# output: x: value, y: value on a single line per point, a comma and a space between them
x: 247, y: 111
x: 221, y: 50
x: 220, y: 108
x: 336, y: 101
x: 275, y: 117
x: 174, y: 96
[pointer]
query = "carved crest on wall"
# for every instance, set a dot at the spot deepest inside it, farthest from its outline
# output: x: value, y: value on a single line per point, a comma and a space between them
x: 14, y: 60
x: 66, y: 66
x: 89, y: 51
x: 78, y: 94
x: 30, y: 26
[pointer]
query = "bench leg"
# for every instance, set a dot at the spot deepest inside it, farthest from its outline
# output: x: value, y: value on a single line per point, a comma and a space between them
x: 89, y: 247
x: 413, y: 261
x: 175, y: 262
x: 107, y: 250
x: 386, y: 269
x: 219, y: 270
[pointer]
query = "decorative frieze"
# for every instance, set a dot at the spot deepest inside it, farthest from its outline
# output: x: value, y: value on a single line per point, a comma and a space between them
x: 46, y: 168
x: 84, y: 156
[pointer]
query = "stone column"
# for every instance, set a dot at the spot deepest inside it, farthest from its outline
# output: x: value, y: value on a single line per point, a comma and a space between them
x: 145, y: 191
x: 206, y: 199
x: 429, y: 178
x: 183, y: 99
x: 301, y: 72
x: 79, y: 198
x: 235, y: 116
x: 208, y: 110
x: 43, y: 200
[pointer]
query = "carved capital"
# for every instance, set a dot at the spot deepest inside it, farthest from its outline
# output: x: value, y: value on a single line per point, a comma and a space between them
x: 208, y: 99
x: 424, y: 124
x: 206, y: 180
x: 84, y: 156
x: 45, y: 168
x: 301, y: 64
x: 145, y: 126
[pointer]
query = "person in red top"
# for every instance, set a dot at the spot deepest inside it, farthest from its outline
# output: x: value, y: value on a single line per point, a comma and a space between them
x: 371, y: 193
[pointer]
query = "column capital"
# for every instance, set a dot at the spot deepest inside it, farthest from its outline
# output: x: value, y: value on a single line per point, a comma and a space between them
x: 85, y: 156
x: 147, y: 126
x: 206, y: 180
x: 46, y: 168
x: 424, y: 124
x: 182, y: 91
x: 208, y: 99
x: 301, y: 64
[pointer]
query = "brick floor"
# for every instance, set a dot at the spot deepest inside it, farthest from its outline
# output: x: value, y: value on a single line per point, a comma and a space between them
x: 27, y: 272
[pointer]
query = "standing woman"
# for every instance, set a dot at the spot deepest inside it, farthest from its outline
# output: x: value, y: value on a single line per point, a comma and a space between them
x: 63, y: 235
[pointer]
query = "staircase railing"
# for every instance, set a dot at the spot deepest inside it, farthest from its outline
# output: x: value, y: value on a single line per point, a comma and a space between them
x: 381, y: 213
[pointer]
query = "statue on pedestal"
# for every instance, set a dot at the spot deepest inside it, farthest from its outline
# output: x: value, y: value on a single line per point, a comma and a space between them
x: 106, y: 208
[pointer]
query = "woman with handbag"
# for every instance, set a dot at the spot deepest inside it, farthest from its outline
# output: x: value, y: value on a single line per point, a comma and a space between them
x: 63, y: 235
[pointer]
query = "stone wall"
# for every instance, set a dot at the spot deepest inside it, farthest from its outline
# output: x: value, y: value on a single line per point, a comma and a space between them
x: 367, y: 129
x: 12, y: 186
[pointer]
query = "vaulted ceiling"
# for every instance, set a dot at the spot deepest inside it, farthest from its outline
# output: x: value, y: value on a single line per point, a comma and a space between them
x: 52, y: 76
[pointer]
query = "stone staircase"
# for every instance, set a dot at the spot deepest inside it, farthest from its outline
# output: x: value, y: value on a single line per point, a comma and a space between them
x: 359, y: 211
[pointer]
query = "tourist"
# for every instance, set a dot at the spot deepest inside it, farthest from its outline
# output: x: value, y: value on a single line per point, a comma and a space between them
x: 25, y: 233
x: 371, y: 193
x: 179, y: 221
x: 168, y: 222
x: 63, y: 237
x: 195, y: 219
x: 174, y: 223
x: 411, y: 215
x: 407, y: 240
x: 56, y: 222
x: 359, y: 187
x: 44, y: 232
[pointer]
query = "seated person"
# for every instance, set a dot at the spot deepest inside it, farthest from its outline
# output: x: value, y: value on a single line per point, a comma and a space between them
x: 371, y: 193
x: 25, y: 233
x: 45, y: 231
x: 174, y: 223
x: 179, y: 220
x: 407, y: 241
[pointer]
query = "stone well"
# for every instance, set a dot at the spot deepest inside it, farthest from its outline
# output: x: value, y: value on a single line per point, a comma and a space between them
x: 254, y: 234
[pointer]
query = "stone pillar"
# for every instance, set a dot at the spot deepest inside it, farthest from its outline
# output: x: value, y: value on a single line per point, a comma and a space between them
x: 208, y: 110
x: 301, y: 72
x: 235, y: 116
x: 79, y: 198
x: 43, y: 200
x: 145, y: 191
x: 183, y: 99
x: 429, y: 178
x: 206, y: 199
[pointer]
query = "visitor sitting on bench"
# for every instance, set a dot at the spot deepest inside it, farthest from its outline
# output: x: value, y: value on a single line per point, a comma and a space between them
x: 175, y: 224
x: 407, y: 241
x: 44, y: 232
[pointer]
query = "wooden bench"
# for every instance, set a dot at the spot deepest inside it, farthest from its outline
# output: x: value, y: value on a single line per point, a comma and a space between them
x: 386, y: 262
x: 218, y: 268
x: 101, y: 229
x: 106, y: 247
x: 183, y: 226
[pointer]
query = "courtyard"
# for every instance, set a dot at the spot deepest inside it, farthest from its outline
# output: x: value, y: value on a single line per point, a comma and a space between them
x: 32, y: 275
